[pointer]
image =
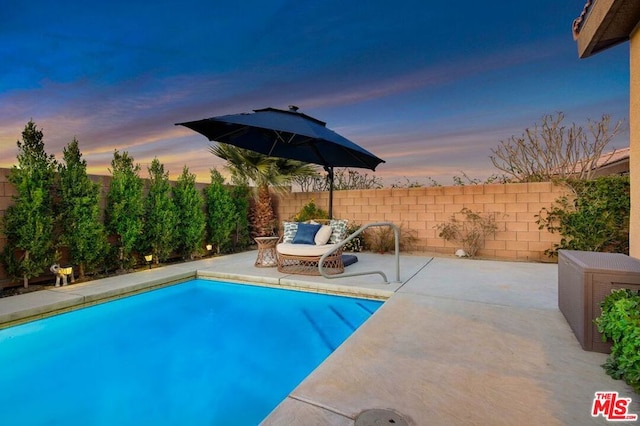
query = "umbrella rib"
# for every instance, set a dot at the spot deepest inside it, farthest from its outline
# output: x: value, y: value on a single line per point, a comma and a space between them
x: 280, y: 138
x: 235, y: 131
x: 358, y: 159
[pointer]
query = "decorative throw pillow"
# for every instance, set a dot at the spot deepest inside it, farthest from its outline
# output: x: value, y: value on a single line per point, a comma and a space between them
x: 306, y: 233
x: 290, y: 229
x: 323, y: 235
x: 339, y: 230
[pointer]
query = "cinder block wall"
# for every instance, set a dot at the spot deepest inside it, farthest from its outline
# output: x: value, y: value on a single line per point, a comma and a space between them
x: 421, y: 209
x: 416, y: 209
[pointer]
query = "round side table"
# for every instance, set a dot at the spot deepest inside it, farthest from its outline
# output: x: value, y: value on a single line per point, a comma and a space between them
x: 267, y: 255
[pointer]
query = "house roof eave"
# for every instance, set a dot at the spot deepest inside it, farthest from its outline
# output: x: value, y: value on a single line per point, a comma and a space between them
x: 603, y: 24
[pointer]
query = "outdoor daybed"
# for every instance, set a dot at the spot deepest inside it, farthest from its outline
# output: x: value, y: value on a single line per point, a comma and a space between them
x: 304, y: 243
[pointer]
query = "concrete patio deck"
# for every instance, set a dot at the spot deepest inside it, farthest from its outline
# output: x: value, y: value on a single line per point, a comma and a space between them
x: 459, y: 341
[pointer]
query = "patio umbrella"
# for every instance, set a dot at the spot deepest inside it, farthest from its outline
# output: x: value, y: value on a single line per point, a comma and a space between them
x: 287, y: 134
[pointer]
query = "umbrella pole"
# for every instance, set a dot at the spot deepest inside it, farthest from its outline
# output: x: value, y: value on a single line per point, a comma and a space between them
x: 330, y: 174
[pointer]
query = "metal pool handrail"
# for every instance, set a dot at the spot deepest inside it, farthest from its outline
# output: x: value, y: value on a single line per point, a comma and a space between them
x: 396, y: 236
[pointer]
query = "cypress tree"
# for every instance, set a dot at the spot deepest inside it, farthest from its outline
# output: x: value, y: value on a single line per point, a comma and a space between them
x: 241, y: 196
x: 159, y: 230
x: 221, y: 213
x: 79, y: 212
x: 28, y: 223
x: 189, y: 204
x: 125, y: 207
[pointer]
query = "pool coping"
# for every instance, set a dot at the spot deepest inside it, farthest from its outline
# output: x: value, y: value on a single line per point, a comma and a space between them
x: 290, y: 282
x: 20, y: 309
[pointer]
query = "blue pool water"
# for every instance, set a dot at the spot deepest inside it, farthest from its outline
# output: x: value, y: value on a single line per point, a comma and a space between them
x: 201, y: 352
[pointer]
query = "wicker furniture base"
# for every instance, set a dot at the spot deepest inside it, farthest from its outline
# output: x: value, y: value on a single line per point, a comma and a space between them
x: 267, y: 255
x: 308, y: 265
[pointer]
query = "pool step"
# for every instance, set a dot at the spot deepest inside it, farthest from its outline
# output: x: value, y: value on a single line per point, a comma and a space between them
x: 332, y: 326
x: 344, y: 320
x: 319, y: 331
x: 365, y: 308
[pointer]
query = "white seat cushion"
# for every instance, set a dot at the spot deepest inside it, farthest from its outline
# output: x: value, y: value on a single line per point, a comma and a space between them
x: 304, y: 249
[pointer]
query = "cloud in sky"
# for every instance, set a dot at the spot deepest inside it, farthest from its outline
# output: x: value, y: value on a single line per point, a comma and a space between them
x: 430, y: 88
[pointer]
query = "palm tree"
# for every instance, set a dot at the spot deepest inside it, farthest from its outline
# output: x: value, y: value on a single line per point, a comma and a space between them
x: 264, y: 171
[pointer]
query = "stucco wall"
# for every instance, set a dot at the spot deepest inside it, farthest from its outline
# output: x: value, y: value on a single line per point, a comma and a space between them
x: 634, y: 143
x: 420, y: 209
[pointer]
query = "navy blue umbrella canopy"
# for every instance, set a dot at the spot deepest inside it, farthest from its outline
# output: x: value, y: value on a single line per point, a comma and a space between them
x: 287, y: 134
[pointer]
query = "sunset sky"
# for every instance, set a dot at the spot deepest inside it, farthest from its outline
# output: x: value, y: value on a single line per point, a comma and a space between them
x: 429, y: 86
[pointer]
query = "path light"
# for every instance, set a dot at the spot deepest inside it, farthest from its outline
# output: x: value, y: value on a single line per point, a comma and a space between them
x: 148, y: 258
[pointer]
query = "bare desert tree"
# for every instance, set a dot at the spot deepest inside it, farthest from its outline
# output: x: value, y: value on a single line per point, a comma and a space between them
x: 344, y: 179
x: 551, y: 150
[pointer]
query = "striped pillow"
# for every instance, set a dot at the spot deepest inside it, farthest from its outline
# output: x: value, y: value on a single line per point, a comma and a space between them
x: 338, y: 230
x: 290, y: 229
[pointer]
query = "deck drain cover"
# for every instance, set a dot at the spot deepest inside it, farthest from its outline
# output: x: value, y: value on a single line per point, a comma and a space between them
x: 378, y: 417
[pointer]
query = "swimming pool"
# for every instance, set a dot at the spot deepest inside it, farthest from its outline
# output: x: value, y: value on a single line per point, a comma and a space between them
x: 201, y: 352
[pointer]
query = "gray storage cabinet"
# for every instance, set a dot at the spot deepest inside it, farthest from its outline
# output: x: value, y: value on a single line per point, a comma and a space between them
x: 584, y: 280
